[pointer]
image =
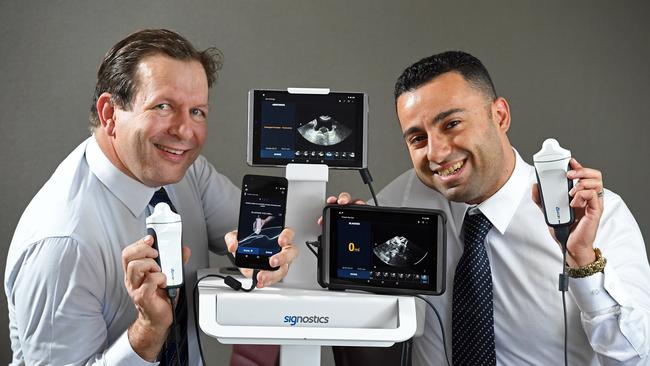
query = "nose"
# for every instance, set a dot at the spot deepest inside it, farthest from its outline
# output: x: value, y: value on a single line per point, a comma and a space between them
x: 438, y: 148
x: 182, y: 126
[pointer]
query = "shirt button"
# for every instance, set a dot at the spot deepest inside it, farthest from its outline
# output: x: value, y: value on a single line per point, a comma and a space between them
x: 595, y: 292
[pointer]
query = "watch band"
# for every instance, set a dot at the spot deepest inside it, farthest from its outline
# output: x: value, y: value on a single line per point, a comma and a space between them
x: 590, y: 269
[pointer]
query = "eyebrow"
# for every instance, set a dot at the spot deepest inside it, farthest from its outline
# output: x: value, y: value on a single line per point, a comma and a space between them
x: 437, y: 119
x: 162, y: 96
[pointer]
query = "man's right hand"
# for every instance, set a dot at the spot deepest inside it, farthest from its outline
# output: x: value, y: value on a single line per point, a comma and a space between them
x: 146, y: 284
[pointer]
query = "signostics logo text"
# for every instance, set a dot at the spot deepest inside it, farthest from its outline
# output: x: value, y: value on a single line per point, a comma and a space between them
x: 313, y: 319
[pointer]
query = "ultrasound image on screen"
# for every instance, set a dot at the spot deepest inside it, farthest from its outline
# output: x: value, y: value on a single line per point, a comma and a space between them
x: 322, y: 125
x: 402, y: 246
x: 262, y: 236
x: 399, y: 251
x: 324, y: 131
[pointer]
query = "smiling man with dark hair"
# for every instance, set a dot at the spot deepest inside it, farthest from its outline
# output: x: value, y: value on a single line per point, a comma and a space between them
x: 502, y: 304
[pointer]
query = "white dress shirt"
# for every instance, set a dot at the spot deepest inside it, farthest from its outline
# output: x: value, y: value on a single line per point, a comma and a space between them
x: 64, y: 280
x: 608, y: 314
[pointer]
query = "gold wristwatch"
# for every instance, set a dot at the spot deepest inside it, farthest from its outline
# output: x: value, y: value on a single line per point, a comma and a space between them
x: 590, y: 269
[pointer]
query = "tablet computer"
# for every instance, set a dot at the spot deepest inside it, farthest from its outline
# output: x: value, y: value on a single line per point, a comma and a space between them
x: 383, y: 249
x: 314, y: 126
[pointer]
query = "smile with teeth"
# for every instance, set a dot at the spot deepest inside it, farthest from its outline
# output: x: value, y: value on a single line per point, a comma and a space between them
x: 171, y: 151
x: 451, y: 170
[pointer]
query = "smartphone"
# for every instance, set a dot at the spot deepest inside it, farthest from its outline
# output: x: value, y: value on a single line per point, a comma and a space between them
x: 261, y: 220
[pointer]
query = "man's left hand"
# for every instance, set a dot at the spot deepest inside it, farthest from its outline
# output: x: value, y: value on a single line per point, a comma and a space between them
x: 282, y: 259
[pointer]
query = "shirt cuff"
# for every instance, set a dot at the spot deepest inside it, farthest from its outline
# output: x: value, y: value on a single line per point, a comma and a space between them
x: 121, y: 353
x: 590, y: 294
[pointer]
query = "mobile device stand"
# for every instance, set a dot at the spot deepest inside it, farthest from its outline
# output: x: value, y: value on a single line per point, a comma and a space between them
x: 305, y: 201
x: 303, y: 320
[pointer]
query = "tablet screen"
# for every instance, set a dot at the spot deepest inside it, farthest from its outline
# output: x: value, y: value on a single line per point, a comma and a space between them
x: 385, y: 248
x: 307, y: 128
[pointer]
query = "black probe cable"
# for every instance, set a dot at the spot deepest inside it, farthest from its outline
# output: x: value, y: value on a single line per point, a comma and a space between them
x: 171, y: 293
x: 367, y: 179
x: 232, y: 282
x: 562, y: 234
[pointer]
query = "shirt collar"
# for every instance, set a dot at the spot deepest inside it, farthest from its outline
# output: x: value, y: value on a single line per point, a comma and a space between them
x: 133, y: 194
x: 501, y: 207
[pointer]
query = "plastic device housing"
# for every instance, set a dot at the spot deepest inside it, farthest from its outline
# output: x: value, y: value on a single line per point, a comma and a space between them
x: 325, y: 318
x: 166, y: 228
x: 551, y: 166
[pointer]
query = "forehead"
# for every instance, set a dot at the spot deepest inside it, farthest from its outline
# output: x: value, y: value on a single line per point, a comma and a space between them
x: 449, y: 90
x: 160, y: 74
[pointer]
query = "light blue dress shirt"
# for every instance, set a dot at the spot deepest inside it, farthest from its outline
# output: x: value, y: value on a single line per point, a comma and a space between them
x: 64, y: 280
x: 608, y: 314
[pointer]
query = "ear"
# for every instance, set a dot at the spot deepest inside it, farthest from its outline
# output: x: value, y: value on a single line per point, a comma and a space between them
x: 106, y: 113
x: 501, y: 114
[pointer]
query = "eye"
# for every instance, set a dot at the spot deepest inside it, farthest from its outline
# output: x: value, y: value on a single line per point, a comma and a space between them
x: 197, y: 112
x: 416, y: 139
x: 163, y: 107
x: 452, y: 124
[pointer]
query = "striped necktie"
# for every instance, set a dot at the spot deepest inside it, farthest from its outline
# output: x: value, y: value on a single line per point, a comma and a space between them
x: 472, y: 309
x: 174, y: 351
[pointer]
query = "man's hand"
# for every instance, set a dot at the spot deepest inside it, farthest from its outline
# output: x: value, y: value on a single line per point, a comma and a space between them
x: 146, y: 284
x: 588, y: 205
x: 282, y: 259
x: 344, y: 198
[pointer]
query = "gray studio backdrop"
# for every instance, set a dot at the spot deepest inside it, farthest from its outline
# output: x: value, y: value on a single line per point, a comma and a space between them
x: 574, y: 70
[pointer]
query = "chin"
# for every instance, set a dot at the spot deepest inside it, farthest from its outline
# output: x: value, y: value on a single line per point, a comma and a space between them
x: 171, y: 180
x: 455, y: 195
x: 170, y: 173
x: 159, y: 181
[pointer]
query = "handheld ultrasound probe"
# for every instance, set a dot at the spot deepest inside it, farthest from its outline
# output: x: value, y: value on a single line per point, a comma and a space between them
x: 551, y: 167
x: 166, y: 227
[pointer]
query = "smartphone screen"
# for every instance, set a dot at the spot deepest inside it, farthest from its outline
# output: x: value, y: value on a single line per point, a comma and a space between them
x: 261, y: 220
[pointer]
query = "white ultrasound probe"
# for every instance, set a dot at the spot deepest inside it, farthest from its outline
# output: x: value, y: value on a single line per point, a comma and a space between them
x: 551, y: 166
x: 166, y: 228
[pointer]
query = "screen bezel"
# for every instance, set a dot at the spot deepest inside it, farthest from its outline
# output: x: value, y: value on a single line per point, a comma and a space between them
x: 329, y: 280
x: 259, y: 261
x: 252, y: 153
